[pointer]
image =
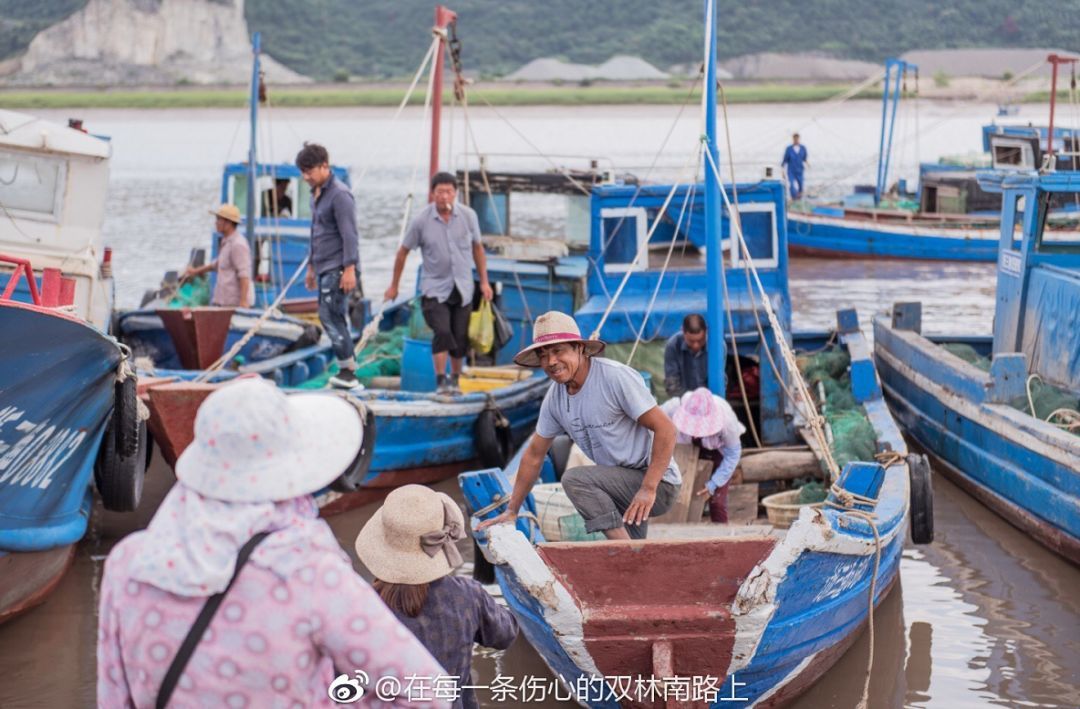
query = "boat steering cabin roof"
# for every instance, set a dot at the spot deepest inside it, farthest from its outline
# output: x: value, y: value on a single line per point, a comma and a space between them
x: 21, y: 131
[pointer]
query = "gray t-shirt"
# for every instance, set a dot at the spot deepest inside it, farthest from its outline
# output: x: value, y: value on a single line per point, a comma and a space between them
x: 447, y: 250
x: 602, y: 418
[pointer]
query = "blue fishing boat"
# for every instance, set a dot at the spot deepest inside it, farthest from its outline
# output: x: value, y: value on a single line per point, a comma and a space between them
x: 412, y: 435
x: 1000, y: 413
x: 949, y: 217
x: 65, y: 422
x: 704, y: 614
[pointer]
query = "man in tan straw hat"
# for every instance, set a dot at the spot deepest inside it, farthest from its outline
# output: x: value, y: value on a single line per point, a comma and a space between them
x: 234, y: 287
x: 607, y: 410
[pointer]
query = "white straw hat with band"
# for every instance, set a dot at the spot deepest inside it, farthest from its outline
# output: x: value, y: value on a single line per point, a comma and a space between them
x: 552, y: 328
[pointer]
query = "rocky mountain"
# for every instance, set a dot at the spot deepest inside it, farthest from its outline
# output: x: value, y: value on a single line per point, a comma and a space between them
x: 110, y: 42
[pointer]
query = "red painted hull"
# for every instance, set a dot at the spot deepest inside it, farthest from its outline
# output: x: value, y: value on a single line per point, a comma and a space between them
x: 173, y: 406
x: 26, y: 579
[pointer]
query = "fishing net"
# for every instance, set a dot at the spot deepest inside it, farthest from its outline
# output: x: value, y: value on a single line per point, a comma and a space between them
x: 812, y: 492
x: 191, y: 294
x: 381, y: 357
x: 1048, y: 399
x: 967, y: 353
x: 854, y: 438
x: 649, y: 357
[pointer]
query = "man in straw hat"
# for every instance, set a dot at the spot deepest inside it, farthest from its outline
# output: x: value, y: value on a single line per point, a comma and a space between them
x: 234, y: 287
x: 605, y: 407
x: 410, y: 547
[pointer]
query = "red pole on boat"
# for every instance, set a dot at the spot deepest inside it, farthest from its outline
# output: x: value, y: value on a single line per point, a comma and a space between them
x: 1054, y: 60
x: 443, y: 18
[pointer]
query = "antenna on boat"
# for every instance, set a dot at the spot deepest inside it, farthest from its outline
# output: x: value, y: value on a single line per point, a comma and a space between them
x: 256, y: 70
x: 714, y: 253
x: 895, y: 71
x: 1055, y: 60
x: 444, y: 17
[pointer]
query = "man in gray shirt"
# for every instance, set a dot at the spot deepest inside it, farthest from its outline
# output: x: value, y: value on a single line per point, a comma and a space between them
x: 608, y: 412
x: 448, y: 236
x: 334, y: 256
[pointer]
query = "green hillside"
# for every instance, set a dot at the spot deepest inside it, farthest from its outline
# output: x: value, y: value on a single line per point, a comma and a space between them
x: 387, y: 38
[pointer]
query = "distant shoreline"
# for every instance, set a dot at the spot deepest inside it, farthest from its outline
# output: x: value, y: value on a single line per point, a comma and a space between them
x: 336, y: 95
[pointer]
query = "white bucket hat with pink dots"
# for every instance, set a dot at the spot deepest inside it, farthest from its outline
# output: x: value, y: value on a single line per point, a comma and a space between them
x: 255, y: 444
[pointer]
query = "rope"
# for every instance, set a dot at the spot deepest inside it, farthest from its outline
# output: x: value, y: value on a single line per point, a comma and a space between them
x: 648, y: 237
x: 723, y: 280
x: 810, y: 413
x: 499, y: 501
x: 266, y: 315
x: 846, y: 506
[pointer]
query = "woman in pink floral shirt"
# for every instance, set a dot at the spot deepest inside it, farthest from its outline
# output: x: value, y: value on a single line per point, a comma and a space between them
x: 297, y: 616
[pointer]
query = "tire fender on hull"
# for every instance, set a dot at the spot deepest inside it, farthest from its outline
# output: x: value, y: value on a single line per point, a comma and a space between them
x: 922, y: 499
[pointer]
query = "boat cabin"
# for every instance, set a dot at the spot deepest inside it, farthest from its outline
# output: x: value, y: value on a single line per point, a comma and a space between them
x: 281, y: 237
x: 1038, y: 278
x: 53, y: 183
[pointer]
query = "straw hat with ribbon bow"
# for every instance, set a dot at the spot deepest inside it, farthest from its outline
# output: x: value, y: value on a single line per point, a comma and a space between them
x: 412, y: 538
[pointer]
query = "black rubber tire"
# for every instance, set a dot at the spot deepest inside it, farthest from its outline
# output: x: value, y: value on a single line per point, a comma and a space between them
x: 482, y: 570
x: 922, y: 499
x: 119, y: 479
x: 353, y: 477
x: 126, y: 416
x: 149, y: 449
x: 494, y: 443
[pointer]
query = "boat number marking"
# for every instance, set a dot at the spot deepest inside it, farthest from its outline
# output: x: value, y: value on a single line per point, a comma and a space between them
x: 1010, y: 263
x: 31, y: 453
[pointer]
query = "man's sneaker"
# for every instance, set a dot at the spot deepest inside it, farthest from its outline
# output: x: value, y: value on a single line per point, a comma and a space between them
x: 442, y: 384
x: 455, y: 384
x: 345, y: 379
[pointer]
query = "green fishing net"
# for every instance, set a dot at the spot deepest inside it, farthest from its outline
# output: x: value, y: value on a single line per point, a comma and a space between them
x: 967, y: 353
x: 191, y: 294
x: 381, y: 357
x: 854, y: 438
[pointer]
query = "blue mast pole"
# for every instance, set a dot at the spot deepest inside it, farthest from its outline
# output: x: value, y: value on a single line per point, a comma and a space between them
x: 256, y: 47
x: 713, y: 216
x: 881, y: 140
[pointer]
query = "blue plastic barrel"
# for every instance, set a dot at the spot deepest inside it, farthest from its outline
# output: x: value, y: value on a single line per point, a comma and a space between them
x: 417, y: 372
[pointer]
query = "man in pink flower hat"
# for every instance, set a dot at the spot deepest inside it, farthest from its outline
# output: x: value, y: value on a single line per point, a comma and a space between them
x: 708, y: 421
x: 607, y: 410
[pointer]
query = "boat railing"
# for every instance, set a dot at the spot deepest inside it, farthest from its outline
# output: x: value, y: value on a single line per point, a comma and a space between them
x: 22, y: 268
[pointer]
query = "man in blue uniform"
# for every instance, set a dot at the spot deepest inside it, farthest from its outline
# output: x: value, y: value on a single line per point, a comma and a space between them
x: 795, y: 160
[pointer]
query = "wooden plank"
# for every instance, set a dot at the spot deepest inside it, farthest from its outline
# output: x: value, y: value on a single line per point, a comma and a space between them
x: 686, y: 457
x: 779, y: 465
x: 742, y: 503
x: 697, y: 504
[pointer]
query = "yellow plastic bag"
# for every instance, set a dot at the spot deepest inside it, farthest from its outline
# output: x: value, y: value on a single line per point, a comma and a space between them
x: 482, y: 328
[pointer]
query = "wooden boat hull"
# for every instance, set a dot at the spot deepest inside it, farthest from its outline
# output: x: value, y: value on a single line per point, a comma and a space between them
x: 1024, y: 469
x: 419, y: 438
x: 27, y: 578
x: 820, y: 235
x: 57, y: 376
x: 764, y: 615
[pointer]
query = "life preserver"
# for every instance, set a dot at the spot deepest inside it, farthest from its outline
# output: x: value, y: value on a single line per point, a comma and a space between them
x: 119, y: 478
x: 922, y: 499
x: 494, y: 439
x: 353, y: 476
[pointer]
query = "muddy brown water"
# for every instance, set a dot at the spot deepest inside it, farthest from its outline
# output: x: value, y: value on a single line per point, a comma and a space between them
x: 982, y: 617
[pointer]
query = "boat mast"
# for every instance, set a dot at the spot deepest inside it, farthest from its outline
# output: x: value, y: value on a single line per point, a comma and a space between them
x: 1055, y: 60
x: 895, y: 73
x: 444, y: 17
x: 714, y: 253
x: 256, y: 48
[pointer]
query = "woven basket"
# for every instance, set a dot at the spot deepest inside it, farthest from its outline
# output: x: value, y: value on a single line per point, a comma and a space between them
x: 783, y: 508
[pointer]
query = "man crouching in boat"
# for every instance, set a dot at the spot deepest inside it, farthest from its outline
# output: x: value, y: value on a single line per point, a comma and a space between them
x: 605, y: 407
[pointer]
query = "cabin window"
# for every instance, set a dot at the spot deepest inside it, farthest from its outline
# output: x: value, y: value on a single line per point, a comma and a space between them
x: 758, y: 221
x: 32, y: 186
x: 238, y: 190
x: 1012, y: 153
x: 624, y: 232
x: 1057, y: 237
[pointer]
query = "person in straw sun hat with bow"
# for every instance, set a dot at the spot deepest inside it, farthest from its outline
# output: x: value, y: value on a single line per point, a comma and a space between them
x: 607, y: 410
x: 410, y: 546
x: 292, y: 618
x: 709, y: 422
